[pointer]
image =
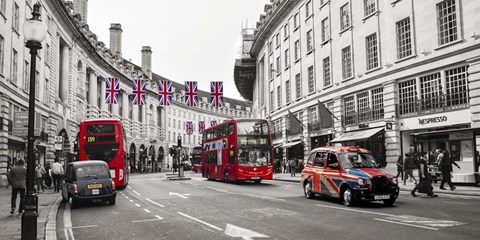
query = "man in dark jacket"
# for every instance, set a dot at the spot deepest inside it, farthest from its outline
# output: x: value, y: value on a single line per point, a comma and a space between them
x: 425, y: 181
x: 409, y: 166
x: 17, y: 177
x: 446, y: 168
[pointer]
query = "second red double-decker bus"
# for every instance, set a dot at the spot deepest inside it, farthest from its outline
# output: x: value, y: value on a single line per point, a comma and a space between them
x: 197, y: 159
x: 238, y: 150
x: 105, y: 140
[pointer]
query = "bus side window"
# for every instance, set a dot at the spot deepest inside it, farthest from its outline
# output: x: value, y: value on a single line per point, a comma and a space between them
x: 230, y: 128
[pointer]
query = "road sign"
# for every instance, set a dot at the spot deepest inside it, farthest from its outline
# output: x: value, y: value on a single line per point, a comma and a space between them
x: 58, y: 142
x: 20, y: 124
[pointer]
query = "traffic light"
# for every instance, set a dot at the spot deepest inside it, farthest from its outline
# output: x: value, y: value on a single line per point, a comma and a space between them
x: 179, y: 141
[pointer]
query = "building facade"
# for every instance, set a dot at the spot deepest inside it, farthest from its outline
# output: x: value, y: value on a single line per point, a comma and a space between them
x: 398, y: 76
x: 70, y: 87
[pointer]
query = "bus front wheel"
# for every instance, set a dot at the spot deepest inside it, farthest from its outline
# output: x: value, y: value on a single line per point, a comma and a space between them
x: 225, y: 177
x: 257, y: 181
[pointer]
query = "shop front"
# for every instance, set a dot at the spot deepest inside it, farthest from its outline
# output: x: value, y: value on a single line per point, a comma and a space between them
x: 320, y: 141
x: 371, y: 139
x: 448, y: 131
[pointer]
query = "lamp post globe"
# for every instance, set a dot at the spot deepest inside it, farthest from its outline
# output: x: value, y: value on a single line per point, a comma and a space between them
x: 34, y: 32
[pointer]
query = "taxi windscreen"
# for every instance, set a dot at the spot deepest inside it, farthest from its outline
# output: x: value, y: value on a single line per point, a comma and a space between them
x: 92, y: 172
x: 357, y: 160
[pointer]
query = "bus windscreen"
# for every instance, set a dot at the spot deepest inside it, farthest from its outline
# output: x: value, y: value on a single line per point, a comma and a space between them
x: 101, y: 129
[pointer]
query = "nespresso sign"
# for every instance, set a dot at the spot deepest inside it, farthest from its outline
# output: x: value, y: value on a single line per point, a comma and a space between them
x: 424, y: 121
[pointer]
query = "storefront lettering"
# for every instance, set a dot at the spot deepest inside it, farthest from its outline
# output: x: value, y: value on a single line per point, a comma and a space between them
x: 423, y: 121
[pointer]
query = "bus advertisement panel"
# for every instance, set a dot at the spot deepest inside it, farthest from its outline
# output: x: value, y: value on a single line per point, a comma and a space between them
x: 197, y: 159
x: 105, y: 140
x: 238, y: 150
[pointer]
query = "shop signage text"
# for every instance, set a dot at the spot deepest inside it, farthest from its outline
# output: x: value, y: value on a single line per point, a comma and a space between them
x: 423, y: 121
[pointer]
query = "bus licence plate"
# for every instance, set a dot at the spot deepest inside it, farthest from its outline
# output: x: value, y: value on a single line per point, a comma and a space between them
x: 381, y: 197
x: 255, y: 177
x: 95, y: 191
x: 94, y: 186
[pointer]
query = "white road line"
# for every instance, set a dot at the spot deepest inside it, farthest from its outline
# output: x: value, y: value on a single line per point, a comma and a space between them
x: 158, y: 204
x: 65, y: 231
x: 158, y: 217
x: 146, y: 220
x: 131, y: 200
x: 126, y: 197
x: 87, y: 226
x: 67, y: 223
x: 146, y: 210
x: 356, y: 210
x: 129, y: 187
x: 457, y: 203
x: 136, y: 204
x: 136, y: 192
x: 265, y: 197
x: 407, y: 224
x: 200, y: 221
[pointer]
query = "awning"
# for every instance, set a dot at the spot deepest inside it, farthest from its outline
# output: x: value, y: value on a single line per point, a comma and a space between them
x: 357, y: 135
x: 291, y: 144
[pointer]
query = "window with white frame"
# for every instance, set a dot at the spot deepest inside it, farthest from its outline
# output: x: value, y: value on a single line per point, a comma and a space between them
x: 404, y: 38
x: 349, y: 110
x: 297, y: 50
x: 287, y: 58
x: 430, y: 86
x: 369, y: 6
x: 287, y: 91
x: 347, y: 63
x: 47, y: 54
x: 344, y: 17
x: 286, y: 31
x: 270, y: 71
x: 312, y: 114
x: 372, y: 51
x: 270, y: 47
x: 296, y: 21
x: 2, y: 6
x: 14, y: 73
x: 457, y: 86
x: 277, y: 40
x: 298, y: 86
x: 311, y: 80
x: 326, y: 72
x: 325, y: 30
x: 279, y: 66
x: 309, y: 41
x: 2, y: 42
x: 272, y: 105
x: 308, y: 9
x: 279, y: 96
x: 26, y: 76
x: 377, y: 104
x: 46, y: 91
x: 16, y: 17
x: 447, y: 22
x: 363, y: 106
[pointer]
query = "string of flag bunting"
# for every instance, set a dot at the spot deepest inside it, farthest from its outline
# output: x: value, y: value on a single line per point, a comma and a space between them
x: 165, y: 93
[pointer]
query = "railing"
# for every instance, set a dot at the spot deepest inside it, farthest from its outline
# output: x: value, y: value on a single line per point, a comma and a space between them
x: 439, y: 103
x: 366, y: 116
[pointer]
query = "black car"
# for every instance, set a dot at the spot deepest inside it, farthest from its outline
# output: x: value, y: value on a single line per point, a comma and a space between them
x: 88, y: 181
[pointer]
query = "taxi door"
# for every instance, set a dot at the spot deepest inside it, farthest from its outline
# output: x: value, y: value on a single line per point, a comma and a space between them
x: 318, y: 167
x: 331, y: 178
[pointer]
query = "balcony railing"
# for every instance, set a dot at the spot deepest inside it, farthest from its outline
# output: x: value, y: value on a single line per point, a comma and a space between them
x: 355, y: 118
x: 440, y: 103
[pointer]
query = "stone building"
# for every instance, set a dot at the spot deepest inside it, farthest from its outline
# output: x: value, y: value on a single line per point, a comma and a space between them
x: 70, y: 87
x: 398, y: 76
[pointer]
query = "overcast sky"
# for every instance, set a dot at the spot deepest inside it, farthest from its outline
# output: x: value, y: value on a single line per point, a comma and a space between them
x: 191, y: 40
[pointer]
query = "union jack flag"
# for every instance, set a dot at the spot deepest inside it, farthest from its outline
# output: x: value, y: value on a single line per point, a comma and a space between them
x: 139, y: 92
x: 165, y: 93
x: 191, y: 95
x: 189, y: 127
x: 213, y: 123
x: 201, y: 127
x: 112, y: 89
x: 216, y: 94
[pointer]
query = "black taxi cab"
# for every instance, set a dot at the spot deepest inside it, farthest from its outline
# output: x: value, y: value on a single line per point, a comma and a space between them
x: 348, y: 173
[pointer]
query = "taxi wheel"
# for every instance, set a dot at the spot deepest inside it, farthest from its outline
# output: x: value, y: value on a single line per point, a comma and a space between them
x: 347, y: 197
x: 307, y: 189
x: 111, y: 201
x: 73, y: 204
x: 389, y: 202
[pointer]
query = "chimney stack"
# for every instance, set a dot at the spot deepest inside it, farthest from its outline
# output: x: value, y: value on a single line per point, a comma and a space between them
x: 81, y: 7
x: 147, y: 60
x: 116, y: 39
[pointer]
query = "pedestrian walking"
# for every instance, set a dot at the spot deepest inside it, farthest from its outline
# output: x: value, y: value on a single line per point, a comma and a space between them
x: 400, y: 167
x: 293, y: 167
x: 425, y: 180
x: 18, y: 179
x: 47, y: 177
x: 57, y: 173
x: 446, y: 168
x: 39, y: 171
x: 408, y: 168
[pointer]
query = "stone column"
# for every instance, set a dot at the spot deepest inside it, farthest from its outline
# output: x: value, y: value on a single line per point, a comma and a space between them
x: 474, y: 86
x: 126, y: 105
x: 392, y: 136
x: 103, y: 106
x: 92, y: 97
x: 65, y: 51
x: 3, y: 140
x: 115, y: 110
x: 337, y: 122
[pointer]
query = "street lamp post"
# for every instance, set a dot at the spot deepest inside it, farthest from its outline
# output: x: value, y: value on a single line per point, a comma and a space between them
x: 34, y: 31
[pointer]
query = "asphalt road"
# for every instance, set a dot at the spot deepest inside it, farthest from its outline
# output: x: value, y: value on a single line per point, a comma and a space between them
x: 152, y: 207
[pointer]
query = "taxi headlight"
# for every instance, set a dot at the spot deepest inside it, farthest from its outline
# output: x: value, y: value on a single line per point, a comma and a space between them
x: 360, y: 181
x: 395, y: 180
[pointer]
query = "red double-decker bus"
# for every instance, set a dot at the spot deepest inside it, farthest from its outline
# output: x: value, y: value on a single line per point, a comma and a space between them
x: 238, y: 150
x: 105, y: 140
x: 197, y: 159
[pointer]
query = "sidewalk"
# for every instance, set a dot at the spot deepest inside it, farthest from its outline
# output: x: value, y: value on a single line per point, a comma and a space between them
x: 10, y: 225
x: 461, y: 189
